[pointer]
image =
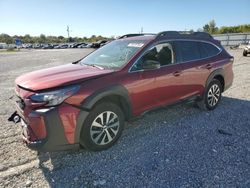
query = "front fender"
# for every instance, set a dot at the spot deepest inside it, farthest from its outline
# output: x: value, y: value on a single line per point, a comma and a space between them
x: 88, y: 103
x: 119, y: 90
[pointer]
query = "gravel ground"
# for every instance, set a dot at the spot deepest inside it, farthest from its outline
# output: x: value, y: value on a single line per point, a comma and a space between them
x: 178, y: 146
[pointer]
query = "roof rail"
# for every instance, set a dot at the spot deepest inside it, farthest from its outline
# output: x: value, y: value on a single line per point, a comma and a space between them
x: 135, y: 35
x: 202, y: 35
x: 167, y: 33
x: 181, y: 33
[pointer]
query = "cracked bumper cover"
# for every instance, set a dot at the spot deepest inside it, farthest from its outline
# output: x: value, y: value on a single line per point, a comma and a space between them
x: 48, y: 130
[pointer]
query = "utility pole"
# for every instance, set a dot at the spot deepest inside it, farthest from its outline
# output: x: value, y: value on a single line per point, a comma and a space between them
x: 141, y: 30
x: 68, y: 31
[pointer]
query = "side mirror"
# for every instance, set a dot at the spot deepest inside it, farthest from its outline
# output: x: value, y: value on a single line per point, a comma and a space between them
x: 150, y: 65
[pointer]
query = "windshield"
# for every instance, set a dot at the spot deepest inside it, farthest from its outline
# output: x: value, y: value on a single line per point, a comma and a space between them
x: 113, y: 55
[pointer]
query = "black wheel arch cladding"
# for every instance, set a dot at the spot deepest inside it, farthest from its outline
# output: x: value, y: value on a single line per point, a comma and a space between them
x: 116, y: 90
x: 216, y: 73
x: 99, y: 95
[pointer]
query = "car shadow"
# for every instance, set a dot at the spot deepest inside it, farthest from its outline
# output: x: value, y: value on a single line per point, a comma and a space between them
x: 177, y: 146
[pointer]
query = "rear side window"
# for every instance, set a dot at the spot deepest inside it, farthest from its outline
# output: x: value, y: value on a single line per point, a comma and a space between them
x: 188, y: 50
x: 207, y: 50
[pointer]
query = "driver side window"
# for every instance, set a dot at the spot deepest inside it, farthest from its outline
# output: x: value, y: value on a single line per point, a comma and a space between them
x: 162, y: 53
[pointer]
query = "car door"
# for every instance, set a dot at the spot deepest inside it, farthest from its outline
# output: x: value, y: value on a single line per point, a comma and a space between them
x: 168, y: 77
x: 142, y: 87
x: 194, y: 70
x: 156, y: 87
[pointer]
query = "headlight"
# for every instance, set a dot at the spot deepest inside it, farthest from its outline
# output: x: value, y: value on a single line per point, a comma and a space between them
x: 55, y: 97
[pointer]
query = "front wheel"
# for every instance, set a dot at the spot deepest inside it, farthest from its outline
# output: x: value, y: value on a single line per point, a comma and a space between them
x: 102, y: 127
x: 212, y: 96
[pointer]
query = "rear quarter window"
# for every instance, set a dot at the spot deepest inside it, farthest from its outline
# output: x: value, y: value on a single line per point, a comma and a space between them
x: 187, y: 50
x: 208, y: 50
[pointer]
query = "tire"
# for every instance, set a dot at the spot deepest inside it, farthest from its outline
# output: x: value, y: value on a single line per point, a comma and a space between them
x: 102, y: 127
x: 212, y: 96
x: 244, y: 53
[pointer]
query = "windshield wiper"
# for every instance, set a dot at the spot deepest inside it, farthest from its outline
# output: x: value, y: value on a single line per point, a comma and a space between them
x: 93, y: 65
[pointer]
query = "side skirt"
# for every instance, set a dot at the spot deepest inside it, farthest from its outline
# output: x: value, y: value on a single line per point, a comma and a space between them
x: 188, y: 100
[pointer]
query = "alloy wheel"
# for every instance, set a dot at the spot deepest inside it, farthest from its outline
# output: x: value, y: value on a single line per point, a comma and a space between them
x: 213, y: 95
x: 104, y: 128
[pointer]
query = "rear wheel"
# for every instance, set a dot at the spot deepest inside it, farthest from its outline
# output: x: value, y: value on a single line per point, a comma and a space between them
x: 102, y: 127
x: 212, y: 96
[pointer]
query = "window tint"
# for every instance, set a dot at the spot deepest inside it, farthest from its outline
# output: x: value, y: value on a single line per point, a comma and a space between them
x: 207, y: 50
x: 163, y: 53
x: 188, y: 50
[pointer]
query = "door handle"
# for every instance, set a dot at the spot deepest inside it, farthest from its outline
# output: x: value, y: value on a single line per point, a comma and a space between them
x: 208, y: 66
x: 177, y: 73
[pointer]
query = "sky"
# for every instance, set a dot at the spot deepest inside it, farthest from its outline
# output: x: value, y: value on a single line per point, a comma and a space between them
x: 116, y: 17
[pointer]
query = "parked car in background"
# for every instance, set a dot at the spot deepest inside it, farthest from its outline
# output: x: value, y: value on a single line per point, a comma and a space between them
x: 55, y: 45
x: 48, y: 46
x: 12, y: 46
x: 37, y: 46
x: 70, y: 45
x: 83, y: 45
x: 86, y: 103
x: 61, y: 46
x: 89, y: 45
x: 246, y: 50
x: 27, y: 46
x: 3, y: 45
x: 76, y: 45
x: 98, y: 44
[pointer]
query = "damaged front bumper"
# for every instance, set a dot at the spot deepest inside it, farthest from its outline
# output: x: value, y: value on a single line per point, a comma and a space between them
x: 42, y: 130
x: 47, y: 128
x: 30, y: 138
x: 32, y: 124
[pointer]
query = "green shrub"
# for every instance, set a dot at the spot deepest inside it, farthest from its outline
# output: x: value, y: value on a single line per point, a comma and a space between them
x: 11, y: 50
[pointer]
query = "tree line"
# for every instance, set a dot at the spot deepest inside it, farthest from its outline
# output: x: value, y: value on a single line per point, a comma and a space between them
x: 5, y: 38
x: 210, y: 27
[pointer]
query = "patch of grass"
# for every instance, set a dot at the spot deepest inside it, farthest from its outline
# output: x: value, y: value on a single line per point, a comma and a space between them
x: 12, y: 50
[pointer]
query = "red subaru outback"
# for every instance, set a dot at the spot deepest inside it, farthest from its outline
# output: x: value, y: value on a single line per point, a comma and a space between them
x: 85, y: 103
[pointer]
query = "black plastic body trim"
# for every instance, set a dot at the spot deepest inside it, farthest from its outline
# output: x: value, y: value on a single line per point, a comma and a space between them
x: 55, y: 139
x: 118, y: 90
x: 79, y: 107
x: 217, y: 72
x: 90, y: 101
x: 187, y: 100
x: 79, y: 124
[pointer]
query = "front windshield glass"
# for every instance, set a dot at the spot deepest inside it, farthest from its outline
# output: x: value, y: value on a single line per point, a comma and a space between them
x: 113, y: 55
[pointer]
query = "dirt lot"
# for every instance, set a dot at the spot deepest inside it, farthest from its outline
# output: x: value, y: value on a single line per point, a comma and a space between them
x: 179, y: 146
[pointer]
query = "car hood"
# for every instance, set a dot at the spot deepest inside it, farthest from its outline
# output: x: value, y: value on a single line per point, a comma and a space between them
x: 59, y: 76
